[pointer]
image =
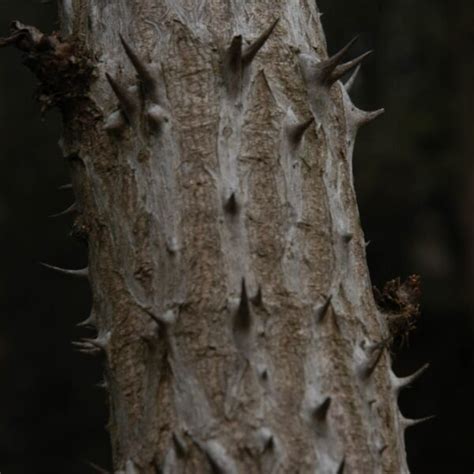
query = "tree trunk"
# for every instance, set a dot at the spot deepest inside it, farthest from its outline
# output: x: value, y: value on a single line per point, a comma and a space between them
x: 211, y: 162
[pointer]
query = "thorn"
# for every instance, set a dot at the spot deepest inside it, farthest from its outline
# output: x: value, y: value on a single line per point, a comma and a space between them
x: 231, y: 205
x: 234, y: 54
x: 347, y: 237
x: 342, y: 69
x: 266, y: 439
x: 322, y: 311
x: 242, y: 320
x: 89, y: 322
x: 257, y: 300
x: 233, y: 65
x: 180, y: 446
x: 65, y: 186
x: 70, y: 210
x: 127, y: 104
x: 368, y: 117
x: 350, y: 82
x: 251, y: 51
x: 401, y: 382
x: 143, y: 72
x: 342, y: 466
x: 382, y: 448
x: 97, y: 468
x: 93, y: 346
x: 321, y: 411
x: 115, y: 122
x: 374, y: 354
x: 168, y: 318
x: 407, y: 423
x: 80, y: 273
x: 86, y: 348
x: 326, y: 67
x: 359, y: 117
x: 263, y: 373
x: 296, y: 132
x: 102, y: 385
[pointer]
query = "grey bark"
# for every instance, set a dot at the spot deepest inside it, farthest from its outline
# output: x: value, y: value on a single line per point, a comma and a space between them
x: 212, y: 165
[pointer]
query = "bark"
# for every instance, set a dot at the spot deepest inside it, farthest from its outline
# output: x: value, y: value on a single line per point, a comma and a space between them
x: 211, y: 162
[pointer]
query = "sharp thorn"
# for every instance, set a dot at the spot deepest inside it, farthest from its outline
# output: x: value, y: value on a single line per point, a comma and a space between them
x: 179, y: 445
x: 401, y: 382
x: 321, y: 411
x: 70, y: 210
x: 89, y: 322
x: 231, y: 205
x: 347, y: 237
x: 323, y: 310
x: 127, y: 103
x: 296, y: 132
x: 374, y: 355
x: 342, y: 69
x: 234, y: 55
x: 266, y: 438
x: 251, y: 51
x: 350, y: 82
x: 86, y: 348
x: 242, y: 320
x: 80, y: 273
x: 143, y: 72
x: 382, y: 448
x: 257, y: 300
x: 342, y: 466
x: 367, y: 117
x: 65, y: 186
x: 326, y: 67
x: 407, y: 423
x: 97, y: 468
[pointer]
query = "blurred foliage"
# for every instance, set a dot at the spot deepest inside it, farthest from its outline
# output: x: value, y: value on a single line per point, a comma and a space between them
x: 415, y: 185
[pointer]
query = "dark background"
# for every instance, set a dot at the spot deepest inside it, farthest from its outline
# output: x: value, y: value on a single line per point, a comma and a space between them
x: 414, y: 178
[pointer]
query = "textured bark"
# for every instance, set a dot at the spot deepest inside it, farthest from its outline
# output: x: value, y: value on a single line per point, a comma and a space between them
x: 211, y: 161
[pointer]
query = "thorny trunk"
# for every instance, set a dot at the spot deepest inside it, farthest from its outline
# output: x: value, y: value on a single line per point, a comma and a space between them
x: 211, y: 161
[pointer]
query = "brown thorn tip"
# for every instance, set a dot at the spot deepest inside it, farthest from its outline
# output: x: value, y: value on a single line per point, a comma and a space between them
x: 321, y: 411
x: 257, y: 300
x: 342, y: 466
x: 231, y: 204
x: 368, y: 367
x: 342, y: 69
x: 296, y: 132
x: 234, y: 54
x: 242, y: 320
x: 251, y: 51
x: 327, y: 66
x: 322, y: 311
x: 140, y: 67
x: 126, y: 102
x: 336, y: 58
x: 180, y: 446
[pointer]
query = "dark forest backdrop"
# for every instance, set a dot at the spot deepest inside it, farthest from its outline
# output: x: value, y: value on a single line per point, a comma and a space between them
x: 414, y: 178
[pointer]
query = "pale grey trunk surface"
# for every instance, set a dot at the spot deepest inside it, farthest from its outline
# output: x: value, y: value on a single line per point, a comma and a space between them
x: 231, y: 294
